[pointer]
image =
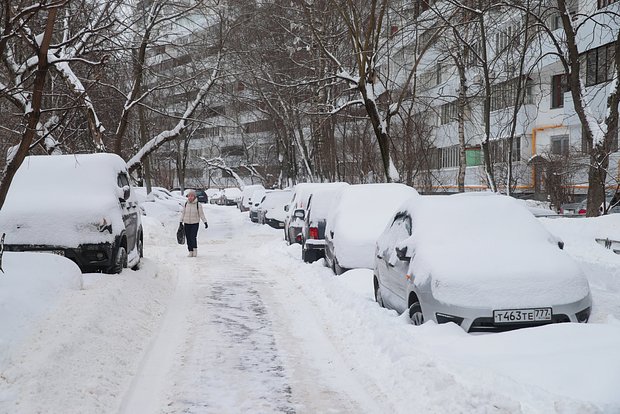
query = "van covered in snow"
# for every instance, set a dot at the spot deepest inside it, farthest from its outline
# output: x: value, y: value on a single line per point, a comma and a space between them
x: 78, y: 206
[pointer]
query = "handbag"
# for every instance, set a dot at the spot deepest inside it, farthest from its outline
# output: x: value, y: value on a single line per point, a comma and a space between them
x: 181, y: 234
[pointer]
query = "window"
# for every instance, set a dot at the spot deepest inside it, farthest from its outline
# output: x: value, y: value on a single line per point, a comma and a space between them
x: 258, y: 126
x: 559, y: 86
x: 401, y: 227
x: 471, y: 53
x: 556, y: 21
x: 233, y: 150
x: 605, y: 3
x: 504, y: 95
x: 560, y: 145
x: 506, y: 37
x: 448, y: 112
x: 446, y: 157
x: 599, y: 64
x: 499, y: 149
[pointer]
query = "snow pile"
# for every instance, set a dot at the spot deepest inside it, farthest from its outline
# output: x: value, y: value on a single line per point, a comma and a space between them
x: 524, y: 371
x: 28, y: 290
x: 63, y: 349
x: 579, y: 235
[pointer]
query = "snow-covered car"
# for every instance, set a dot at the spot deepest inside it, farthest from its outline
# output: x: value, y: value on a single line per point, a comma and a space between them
x: 246, y: 195
x: 574, y: 209
x: 296, y: 209
x: 271, y: 210
x: 213, y: 194
x: 313, y: 230
x: 159, y: 196
x: 89, y: 212
x: 232, y: 196
x: 258, y: 196
x: 611, y: 205
x: 357, y: 219
x: 482, y: 261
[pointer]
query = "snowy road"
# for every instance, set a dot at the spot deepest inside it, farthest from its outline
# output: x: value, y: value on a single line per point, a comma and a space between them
x: 247, y: 327
x: 226, y: 345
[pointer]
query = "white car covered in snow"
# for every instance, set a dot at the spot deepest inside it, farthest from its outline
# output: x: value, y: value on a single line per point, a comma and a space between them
x: 357, y: 219
x: 232, y: 196
x: 482, y: 261
x: 246, y: 196
x: 78, y: 206
x: 271, y: 210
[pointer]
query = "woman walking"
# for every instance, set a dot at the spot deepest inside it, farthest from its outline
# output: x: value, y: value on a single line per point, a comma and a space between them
x: 190, y: 217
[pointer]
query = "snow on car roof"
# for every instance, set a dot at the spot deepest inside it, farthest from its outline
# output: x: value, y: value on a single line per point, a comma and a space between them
x: 73, y: 194
x: 487, y: 249
x: 302, y: 192
x: 323, y: 199
x: 276, y: 198
x: 232, y: 192
x: 78, y: 173
x: 359, y: 217
x: 365, y: 208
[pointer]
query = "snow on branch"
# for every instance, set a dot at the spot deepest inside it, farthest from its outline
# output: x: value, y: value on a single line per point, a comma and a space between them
x: 346, y: 105
x: 219, y: 163
x: 173, y: 133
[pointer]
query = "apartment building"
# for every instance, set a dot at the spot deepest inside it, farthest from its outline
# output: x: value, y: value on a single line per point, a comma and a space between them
x: 547, y: 134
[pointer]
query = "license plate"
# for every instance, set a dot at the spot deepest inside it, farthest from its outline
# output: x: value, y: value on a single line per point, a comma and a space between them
x: 522, y: 315
x: 58, y: 252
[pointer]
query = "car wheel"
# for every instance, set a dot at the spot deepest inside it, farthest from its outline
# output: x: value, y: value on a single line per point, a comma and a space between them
x: 120, y: 262
x: 415, y: 313
x: 140, y: 246
x: 308, y: 256
x: 337, y: 269
x: 378, y: 297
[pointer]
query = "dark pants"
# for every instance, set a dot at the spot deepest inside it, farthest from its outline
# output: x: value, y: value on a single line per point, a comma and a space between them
x: 191, y: 231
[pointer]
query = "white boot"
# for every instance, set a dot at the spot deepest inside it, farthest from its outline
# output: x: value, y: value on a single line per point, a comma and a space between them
x: 195, y: 252
x: 190, y: 254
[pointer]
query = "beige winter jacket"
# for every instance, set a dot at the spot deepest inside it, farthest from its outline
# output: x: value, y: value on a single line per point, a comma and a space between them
x: 192, y: 213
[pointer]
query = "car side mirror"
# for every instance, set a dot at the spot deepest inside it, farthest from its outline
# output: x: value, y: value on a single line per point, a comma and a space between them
x: 286, y: 207
x: 401, y: 253
x: 126, y: 193
x: 299, y: 214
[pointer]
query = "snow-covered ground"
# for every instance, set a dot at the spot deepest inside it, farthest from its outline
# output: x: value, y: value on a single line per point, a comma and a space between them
x: 246, y: 327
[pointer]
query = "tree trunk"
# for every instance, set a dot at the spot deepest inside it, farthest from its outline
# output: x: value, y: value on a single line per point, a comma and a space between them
x: 488, y: 165
x: 33, y: 116
x: 461, y: 102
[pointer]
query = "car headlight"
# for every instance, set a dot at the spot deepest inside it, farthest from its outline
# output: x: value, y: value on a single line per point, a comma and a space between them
x: 104, y: 225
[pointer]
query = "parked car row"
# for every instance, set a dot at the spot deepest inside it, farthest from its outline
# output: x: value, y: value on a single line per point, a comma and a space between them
x: 480, y: 260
